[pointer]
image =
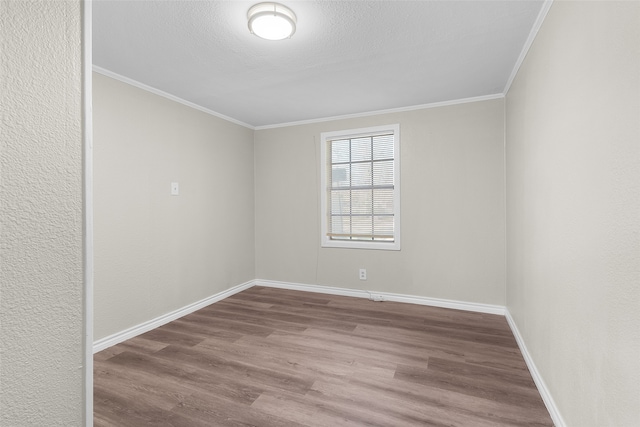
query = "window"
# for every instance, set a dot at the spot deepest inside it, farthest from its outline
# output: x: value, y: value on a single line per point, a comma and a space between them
x: 360, y: 194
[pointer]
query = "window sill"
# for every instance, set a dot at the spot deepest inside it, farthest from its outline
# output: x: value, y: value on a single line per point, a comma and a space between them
x: 381, y: 246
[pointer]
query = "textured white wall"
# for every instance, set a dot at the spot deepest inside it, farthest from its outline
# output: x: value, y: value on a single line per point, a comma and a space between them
x: 154, y: 252
x: 41, y: 249
x: 573, y: 209
x: 452, y: 177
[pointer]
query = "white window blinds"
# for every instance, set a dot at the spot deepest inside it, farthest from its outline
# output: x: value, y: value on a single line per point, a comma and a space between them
x: 361, y: 189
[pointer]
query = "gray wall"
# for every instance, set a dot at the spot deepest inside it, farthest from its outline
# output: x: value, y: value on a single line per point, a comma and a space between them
x: 154, y: 252
x: 452, y: 178
x: 41, y: 243
x: 573, y: 209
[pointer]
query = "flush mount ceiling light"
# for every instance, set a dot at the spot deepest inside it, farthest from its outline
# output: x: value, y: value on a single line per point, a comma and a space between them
x: 271, y: 21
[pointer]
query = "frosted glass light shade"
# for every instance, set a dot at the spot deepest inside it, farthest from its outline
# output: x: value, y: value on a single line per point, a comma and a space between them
x: 271, y: 21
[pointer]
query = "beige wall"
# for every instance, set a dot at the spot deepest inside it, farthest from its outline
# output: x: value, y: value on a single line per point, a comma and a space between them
x: 452, y: 176
x: 154, y: 252
x: 41, y: 243
x: 573, y: 211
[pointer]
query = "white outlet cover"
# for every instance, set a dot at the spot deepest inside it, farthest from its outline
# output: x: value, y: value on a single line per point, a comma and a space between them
x: 175, y: 189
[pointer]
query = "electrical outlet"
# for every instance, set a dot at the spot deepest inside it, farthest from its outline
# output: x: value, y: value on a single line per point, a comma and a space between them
x: 363, y: 274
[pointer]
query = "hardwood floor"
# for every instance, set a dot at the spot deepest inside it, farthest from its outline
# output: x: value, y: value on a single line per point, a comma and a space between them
x: 273, y: 357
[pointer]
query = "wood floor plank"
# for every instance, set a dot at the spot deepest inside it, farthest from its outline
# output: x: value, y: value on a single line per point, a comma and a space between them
x: 167, y: 336
x: 450, y: 347
x: 298, y: 359
x: 231, y: 369
x: 228, y: 325
x: 210, y: 411
x: 256, y: 317
x: 191, y: 325
x: 497, y: 388
x: 174, y: 372
x: 441, y: 406
x: 274, y: 357
x: 118, y: 410
x: 391, y: 405
x: 171, y: 391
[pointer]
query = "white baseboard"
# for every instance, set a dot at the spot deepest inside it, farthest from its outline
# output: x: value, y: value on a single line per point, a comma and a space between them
x: 385, y: 296
x: 537, y: 378
x: 119, y: 337
x: 134, y: 331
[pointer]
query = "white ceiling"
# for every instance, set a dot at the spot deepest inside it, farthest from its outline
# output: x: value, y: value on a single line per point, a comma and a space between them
x: 346, y: 57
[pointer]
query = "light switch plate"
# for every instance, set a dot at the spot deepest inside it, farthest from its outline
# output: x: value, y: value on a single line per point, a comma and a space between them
x: 175, y: 189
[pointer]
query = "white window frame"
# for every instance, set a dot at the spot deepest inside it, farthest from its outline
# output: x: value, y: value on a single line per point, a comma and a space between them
x: 325, y: 137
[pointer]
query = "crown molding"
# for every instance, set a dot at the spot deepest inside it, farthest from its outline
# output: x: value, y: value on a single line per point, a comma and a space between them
x: 387, y: 111
x: 159, y: 92
x: 174, y: 98
x: 527, y: 45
